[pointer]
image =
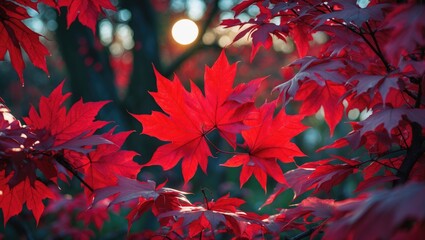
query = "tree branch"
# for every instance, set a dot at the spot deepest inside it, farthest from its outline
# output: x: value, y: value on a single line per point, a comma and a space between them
x: 416, y: 150
x: 378, y: 48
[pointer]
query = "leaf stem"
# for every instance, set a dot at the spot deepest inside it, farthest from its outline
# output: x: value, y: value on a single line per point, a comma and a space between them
x: 220, y: 150
x: 205, y: 199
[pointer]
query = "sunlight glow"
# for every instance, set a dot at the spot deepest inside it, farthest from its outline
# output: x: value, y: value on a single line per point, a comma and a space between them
x: 184, y: 31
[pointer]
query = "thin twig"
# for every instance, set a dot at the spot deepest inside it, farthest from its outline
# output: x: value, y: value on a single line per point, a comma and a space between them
x: 303, y: 234
x: 220, y: 150
x: 205, y: 198
x: 402, y: 137
x: 378, y: 48
x: 64, y: 162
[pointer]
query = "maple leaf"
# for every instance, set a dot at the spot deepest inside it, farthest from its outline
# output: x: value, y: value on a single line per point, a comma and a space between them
x: 350, y: 12
x: 390, y: 118
x: 260, y: 29
x: 379, y: 215
x: 318, y: 175
x: 182, y: 127
x: 267, y: 141
x: 158, y: 198
x: 191, y: 116
x: 65, y: 207
x: 311, y: 210
x: 313, y: 96
x: 74, y: 128
x: 374, y: 181
x: 341, y: 41
x: 87, y: 11
x: 223, y: 106
x: 293, y: 182
x: 327, y: 176
x: 312, y: 69
x: 238, y: 8
x: 375, y: 83
x: 102, y: 165
x: 97, y: 215
x: 301, y: 35
x: 26, y: 192
x: 16, y: 35
x: 319, y: 208
x: 407, y: 25
x: 210, y: 215
x: 12, y: 135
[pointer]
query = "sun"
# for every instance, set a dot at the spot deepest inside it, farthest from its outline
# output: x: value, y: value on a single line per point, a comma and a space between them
x: 184, y: 31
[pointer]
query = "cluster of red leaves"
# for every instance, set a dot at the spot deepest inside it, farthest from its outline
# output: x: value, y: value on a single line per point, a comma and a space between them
x: 179, y: 218
x: 191, y: 116
x: 66, y: 210
x: 16, y: 35
x: 373, y: 61
x: 57, y: 144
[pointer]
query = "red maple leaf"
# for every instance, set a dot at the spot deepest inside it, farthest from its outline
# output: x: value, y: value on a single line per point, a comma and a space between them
x: 238, y: 8
x: 191, y: 116
x: 26, y: 192
x: 318, y: 175
x: 292, y: 182
x: 379, y: 215
x: 314, y: 69
x: 182, y: 127
x: 60, y: 129
x: 350, y: 13
x: 391, y: 118
x: 65, y: 207
x: 329, y: 96
x: 87, y: 11
x: 149, y: 196
x: 260, y: 29
x: 301, y: 33
x: 373, y: 84
x: 103, y: 165
x: 224, y: 107
x: 268, y: 140
x: 16, y: 35
x: 407, y: 23
x: 210, y: 215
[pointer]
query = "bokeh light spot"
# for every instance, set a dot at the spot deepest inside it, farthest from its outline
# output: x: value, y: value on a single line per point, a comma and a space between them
x: 184, y: 31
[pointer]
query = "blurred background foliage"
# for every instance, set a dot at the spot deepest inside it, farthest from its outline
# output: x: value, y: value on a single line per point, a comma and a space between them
x: 117, y: 64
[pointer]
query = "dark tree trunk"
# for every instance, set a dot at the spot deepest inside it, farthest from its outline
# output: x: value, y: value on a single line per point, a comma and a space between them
x: 87, y: 63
